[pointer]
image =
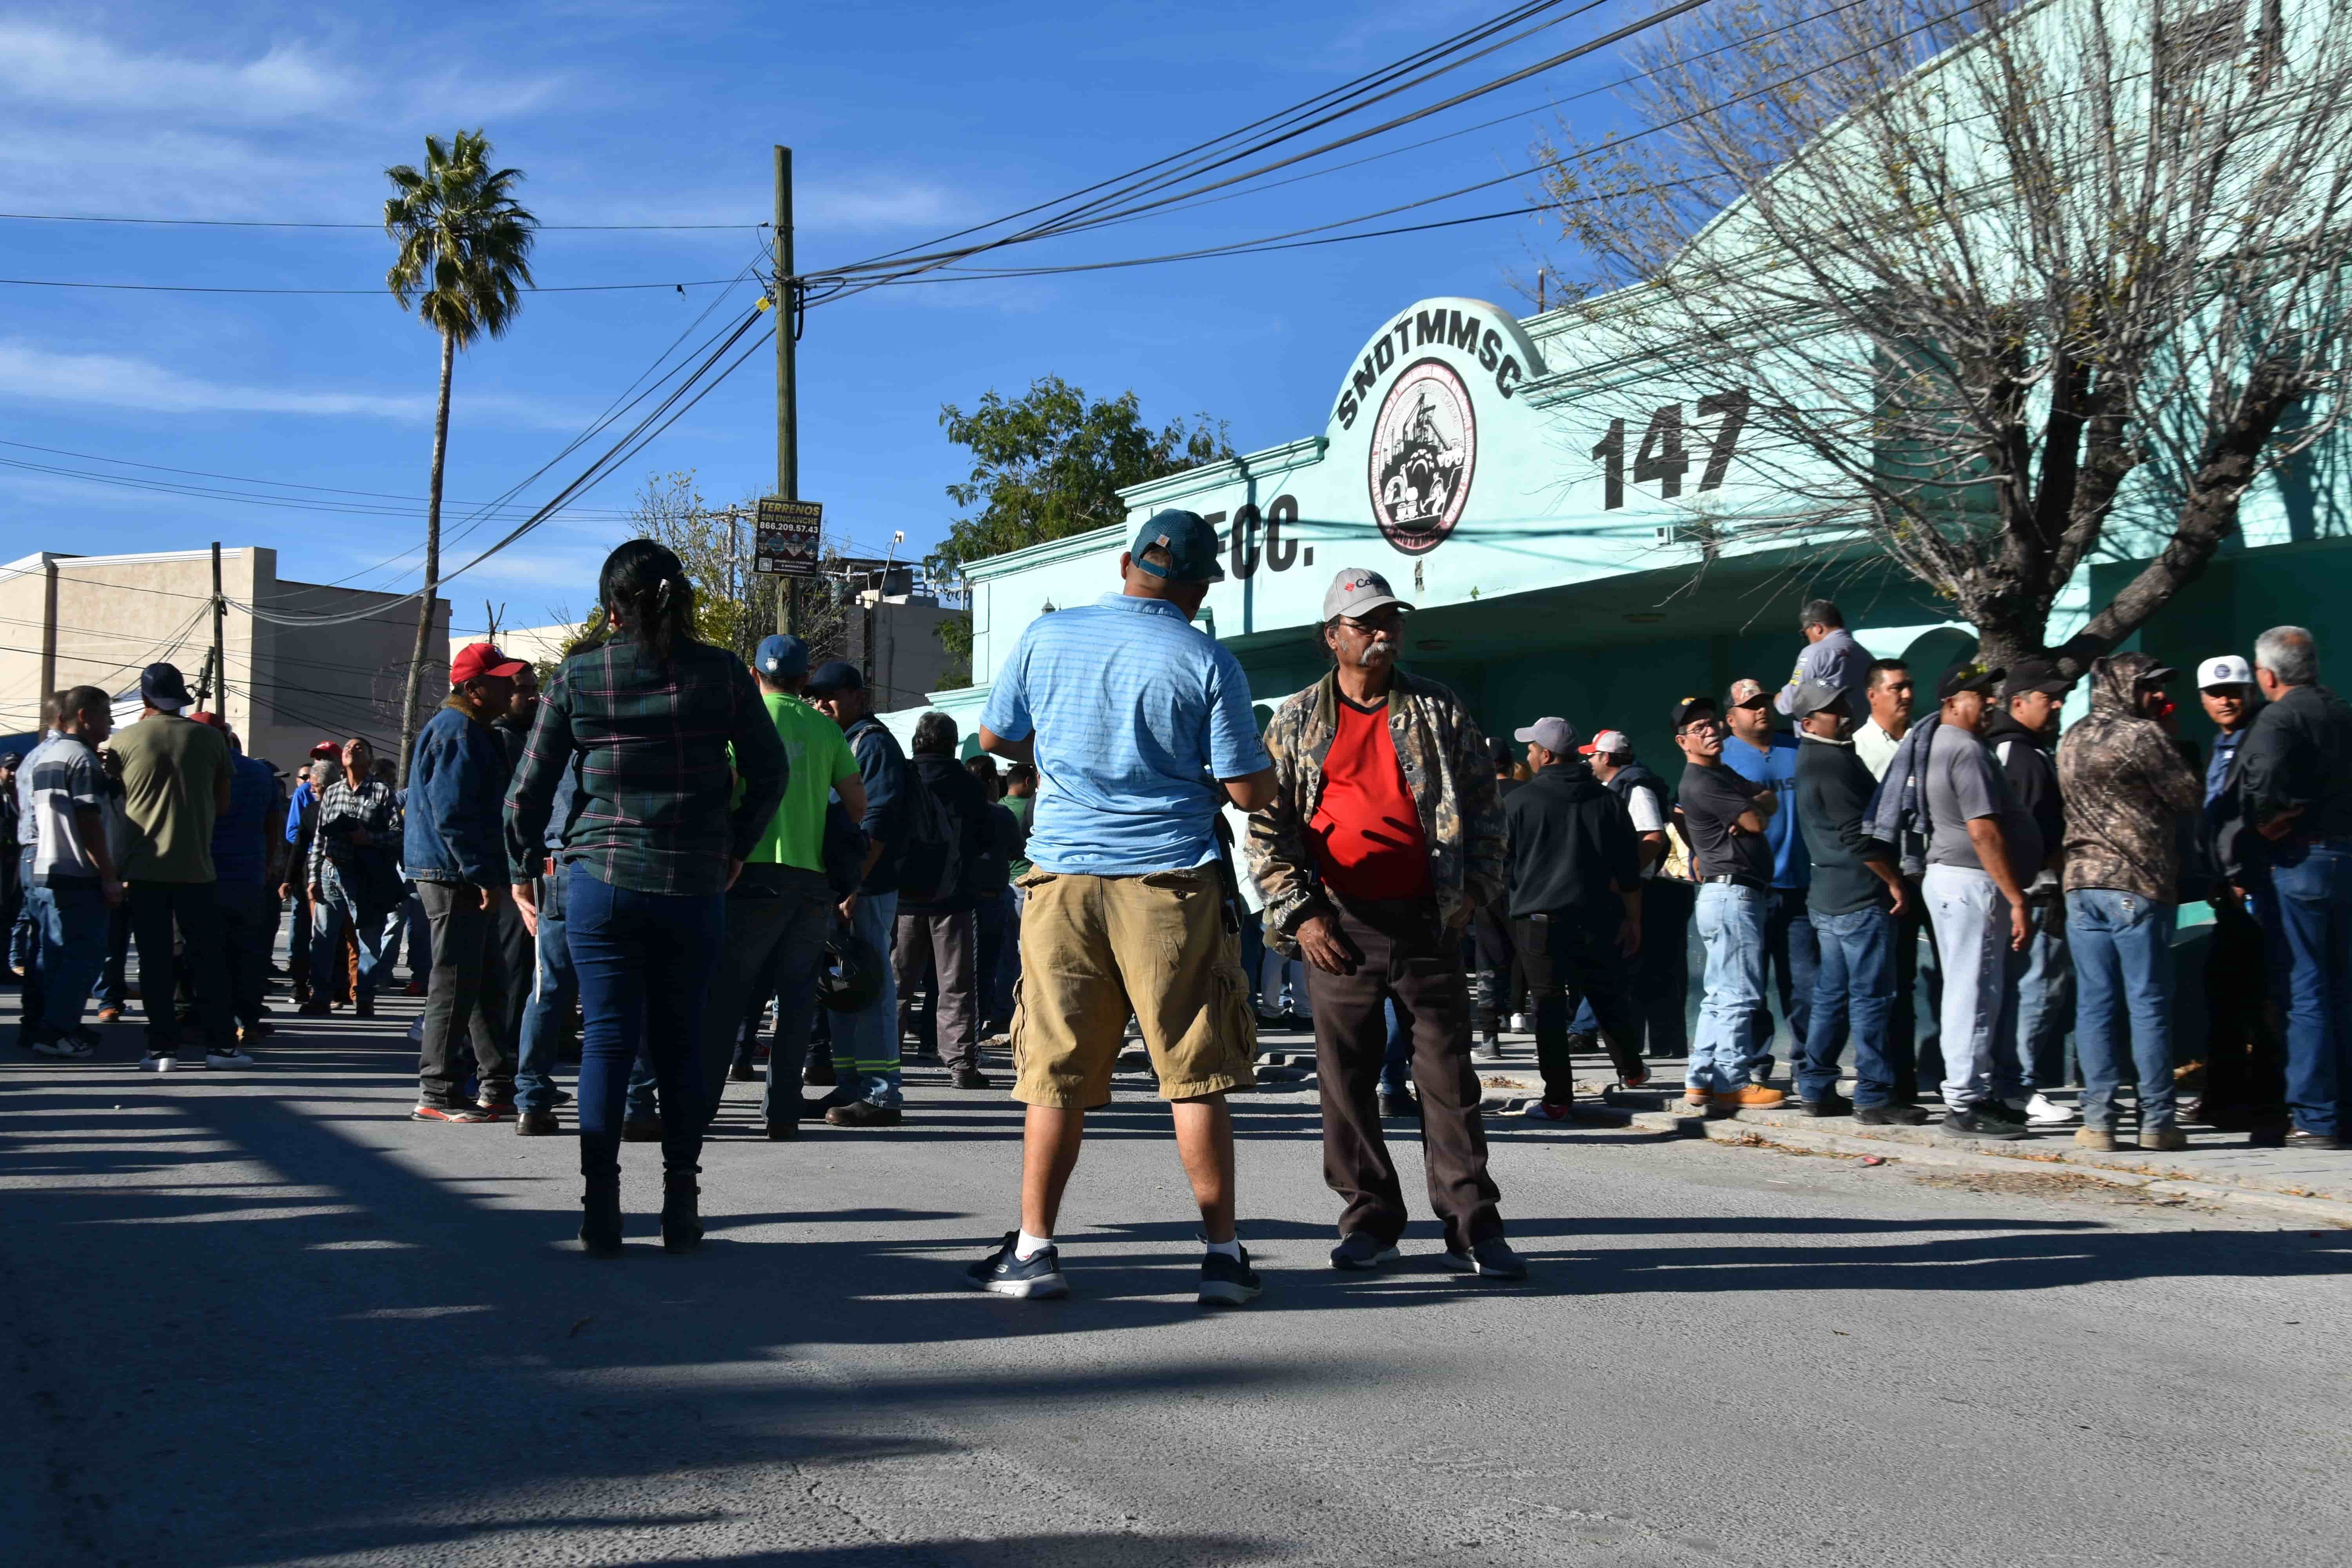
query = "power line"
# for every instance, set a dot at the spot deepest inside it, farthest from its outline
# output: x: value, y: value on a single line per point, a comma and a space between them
x: 668, y: 412
x: 233, y: 479
x: 210, y: 289
x: 373, y: 228
x: 1290, y: 239
x: 849, y: 280
x: 1336, y: 94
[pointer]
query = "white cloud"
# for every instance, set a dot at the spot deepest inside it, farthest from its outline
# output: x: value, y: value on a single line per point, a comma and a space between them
x: 31, y: 374
x: 50, y: 68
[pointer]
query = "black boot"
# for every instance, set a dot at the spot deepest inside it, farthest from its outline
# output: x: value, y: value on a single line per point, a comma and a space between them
x: 681, y: 1225
x: 600, y: 1173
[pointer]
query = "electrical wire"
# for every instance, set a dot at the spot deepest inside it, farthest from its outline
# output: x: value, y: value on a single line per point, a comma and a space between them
x: 232, y: 478
x: 1290, y: 239
x: 668, y: 412
x: 210, y: 289
x: 372, y: 227
x: 848, y: 281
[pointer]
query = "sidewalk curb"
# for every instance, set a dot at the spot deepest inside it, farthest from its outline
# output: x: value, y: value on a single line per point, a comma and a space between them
x: 2059, y: 1148
x: 1647, y: 1111
x: 1742, y: 1132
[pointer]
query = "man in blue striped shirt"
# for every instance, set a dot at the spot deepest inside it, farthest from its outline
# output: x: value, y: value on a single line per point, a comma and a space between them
x: 1141, y: 729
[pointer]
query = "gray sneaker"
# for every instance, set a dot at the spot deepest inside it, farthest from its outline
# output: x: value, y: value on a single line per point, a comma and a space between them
x: 1493, y: 1258
x: 1361, y: 1249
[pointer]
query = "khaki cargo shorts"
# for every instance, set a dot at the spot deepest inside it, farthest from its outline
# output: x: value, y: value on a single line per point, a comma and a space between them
x: 1092, y: 948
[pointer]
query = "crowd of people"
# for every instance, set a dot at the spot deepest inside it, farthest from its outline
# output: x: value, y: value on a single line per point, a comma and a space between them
x: 687, y: 855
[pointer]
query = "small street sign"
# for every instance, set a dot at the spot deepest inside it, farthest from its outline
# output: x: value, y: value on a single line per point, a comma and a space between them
x: 787, y: 536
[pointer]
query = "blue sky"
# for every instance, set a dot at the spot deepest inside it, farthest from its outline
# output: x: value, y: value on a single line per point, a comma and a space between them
x: 907, y: 120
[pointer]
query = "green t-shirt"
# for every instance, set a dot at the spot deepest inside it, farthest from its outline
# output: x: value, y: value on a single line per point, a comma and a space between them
x: 820, y: 759
x: 1019, y: 804
x: 170, y: 766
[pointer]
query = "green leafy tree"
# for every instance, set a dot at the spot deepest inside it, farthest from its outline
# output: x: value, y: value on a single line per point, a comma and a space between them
x: 462, y: 260
x: 1051, y: 464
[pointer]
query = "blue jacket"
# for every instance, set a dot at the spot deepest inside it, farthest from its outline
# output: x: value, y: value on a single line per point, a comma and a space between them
x: 1898, y: 811
x: 456, y: 802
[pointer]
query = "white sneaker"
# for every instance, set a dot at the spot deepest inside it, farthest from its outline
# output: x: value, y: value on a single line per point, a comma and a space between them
x: 232, y: 1058
x: 66, y: 1049
x: 1522, y: 1024
x: 2042, y: 1110
x: 155, y: 1063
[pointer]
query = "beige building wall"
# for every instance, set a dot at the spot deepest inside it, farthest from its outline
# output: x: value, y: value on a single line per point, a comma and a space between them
x: 97, y: 620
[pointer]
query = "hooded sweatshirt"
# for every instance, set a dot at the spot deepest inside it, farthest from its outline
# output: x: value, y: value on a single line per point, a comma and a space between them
x: 2023, y: 755
x: 2126, y: 786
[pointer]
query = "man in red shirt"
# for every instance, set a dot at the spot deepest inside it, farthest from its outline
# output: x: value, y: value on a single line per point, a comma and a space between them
x: 1384, y: 835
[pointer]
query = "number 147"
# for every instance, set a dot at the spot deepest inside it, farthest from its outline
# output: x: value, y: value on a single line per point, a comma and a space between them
x: 1661, y: 455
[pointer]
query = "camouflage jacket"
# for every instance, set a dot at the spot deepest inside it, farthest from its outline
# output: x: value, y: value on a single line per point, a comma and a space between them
x: 1446, y: 766
x: 2125, y: 787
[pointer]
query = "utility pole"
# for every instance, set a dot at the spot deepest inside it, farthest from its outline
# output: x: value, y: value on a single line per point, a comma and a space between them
x: 788, y: 455
x: 218, y: 670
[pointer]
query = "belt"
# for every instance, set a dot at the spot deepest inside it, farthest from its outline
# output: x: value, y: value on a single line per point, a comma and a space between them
x: 1737, y: 881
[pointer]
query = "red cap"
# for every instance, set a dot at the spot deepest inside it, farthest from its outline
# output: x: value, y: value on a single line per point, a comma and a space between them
x: 477, y: 659
x: 327, y: 748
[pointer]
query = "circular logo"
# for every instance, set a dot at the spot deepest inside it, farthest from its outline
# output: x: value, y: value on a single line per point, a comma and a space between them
x: 1424, y: 446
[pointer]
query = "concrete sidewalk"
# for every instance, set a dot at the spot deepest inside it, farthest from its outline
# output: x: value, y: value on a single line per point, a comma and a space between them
x: 2220, y: 1161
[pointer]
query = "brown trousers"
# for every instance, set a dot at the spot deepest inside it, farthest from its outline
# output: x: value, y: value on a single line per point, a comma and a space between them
x: 1408, y: 959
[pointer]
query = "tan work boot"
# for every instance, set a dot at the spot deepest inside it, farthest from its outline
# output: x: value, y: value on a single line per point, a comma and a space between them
x: 1750, y: 1097
x: 2165, y: 1137
x: 2094, y: 1137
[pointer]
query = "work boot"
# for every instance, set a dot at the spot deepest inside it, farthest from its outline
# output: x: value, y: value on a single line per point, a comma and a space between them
x: 681, y: 1225
x: 600, y: 1201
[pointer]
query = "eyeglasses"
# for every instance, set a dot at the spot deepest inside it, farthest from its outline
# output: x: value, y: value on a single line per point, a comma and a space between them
x: 1378, y: 621
x: 1700, y: 726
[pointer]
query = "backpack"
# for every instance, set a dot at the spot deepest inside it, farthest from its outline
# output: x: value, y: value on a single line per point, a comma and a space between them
x: 931, y: 862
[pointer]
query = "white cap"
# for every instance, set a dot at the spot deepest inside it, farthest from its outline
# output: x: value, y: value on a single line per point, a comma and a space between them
x: 2228, y: 669
x: 1613, y: 742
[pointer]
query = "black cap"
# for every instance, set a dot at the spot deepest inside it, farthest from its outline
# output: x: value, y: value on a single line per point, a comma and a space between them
x: 2035, y: 674
x: 1970, y: 677
x: 9, y: 759
x: 1502, y: 751
x: 161, y: 686
x: 838, y: 675
x: 1690, y: 708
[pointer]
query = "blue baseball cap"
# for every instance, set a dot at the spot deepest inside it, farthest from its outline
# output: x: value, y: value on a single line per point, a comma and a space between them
x: 836, y: 677
x: 1191, y: 540
x: 781, y: 658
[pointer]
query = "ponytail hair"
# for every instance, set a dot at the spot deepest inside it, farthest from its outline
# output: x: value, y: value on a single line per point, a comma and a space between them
x: 645, y: 587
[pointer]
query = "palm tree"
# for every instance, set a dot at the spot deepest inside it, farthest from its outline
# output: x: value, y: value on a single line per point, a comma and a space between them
x: 464, y: 260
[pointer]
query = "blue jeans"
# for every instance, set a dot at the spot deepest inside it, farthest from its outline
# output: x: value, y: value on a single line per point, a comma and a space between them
x: 24, y: 931
x: 2047, y: 1004
x: 1724, y: 1055
x: 339, y: 907
x: 2123, y: 957
x: 1854, y: 989
x: 866, y: 1042
x: 1981, y: 980
x: 2307, y: 915
x: 644, y: 962
x: 555, y: 986
x: 1791, y: 955
x: 110, y: 984
x: 72, y: 925
x: 1396, y: 1060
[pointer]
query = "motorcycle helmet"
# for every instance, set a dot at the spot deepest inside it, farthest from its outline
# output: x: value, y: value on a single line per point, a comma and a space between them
x: 852, y: 977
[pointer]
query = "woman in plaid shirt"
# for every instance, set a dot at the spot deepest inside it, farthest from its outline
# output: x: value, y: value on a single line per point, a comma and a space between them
x: 645, y: 723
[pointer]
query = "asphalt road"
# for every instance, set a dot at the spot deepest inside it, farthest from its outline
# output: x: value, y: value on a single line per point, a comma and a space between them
x: 265, y: 1319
